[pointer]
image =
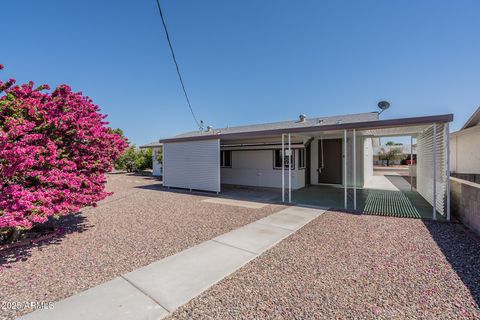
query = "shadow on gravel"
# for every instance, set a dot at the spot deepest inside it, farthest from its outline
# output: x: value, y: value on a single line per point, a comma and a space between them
x: 462, y: 250
x: 159, y: 187
x: 62, y: 227
x: 156, y: 187
x: 228, y: 192
x: 145, y: 174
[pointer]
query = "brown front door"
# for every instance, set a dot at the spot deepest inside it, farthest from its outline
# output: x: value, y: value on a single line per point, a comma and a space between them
x: 330, y: 171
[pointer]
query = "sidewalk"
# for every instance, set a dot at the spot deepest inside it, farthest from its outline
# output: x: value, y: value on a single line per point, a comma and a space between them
x: 156, y: 290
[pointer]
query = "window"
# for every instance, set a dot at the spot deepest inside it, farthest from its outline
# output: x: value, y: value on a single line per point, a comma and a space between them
x: 301, y: 158
x: 277, y: 159
x: 226, y: 158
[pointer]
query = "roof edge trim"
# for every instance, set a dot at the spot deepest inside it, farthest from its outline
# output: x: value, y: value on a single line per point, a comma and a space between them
x: 444, y: 118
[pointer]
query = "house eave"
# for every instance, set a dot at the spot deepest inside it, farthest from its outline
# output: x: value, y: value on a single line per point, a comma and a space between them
x: 444, y: 118
x: 150, y: 146
x: 473, y: 120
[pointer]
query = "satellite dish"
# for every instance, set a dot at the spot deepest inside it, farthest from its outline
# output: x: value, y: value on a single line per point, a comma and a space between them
x: 383, y: 105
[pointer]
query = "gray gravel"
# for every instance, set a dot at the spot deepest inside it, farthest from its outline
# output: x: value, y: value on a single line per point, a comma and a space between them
x: 351, y: 266
x: 138, y: 225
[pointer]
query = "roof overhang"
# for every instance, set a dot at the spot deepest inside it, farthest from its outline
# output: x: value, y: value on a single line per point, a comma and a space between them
x: 377, y: 124
x: 474, y: 120
x: 151, y: 145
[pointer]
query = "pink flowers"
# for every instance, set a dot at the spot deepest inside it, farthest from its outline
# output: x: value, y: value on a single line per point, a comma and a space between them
x: 54, y: 151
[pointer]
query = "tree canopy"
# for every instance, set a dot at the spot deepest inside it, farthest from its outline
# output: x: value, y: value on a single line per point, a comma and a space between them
x: 55, y: 148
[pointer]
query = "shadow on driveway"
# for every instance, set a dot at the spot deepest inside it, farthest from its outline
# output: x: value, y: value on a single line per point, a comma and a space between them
x: 245, y: 193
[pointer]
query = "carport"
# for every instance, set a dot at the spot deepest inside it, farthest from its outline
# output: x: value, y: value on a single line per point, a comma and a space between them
x: 429, y: 198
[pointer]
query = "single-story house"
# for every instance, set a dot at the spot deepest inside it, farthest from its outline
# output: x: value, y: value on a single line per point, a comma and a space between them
x: 465, y: 147
x: 334, y: 151
x: 156, y: 157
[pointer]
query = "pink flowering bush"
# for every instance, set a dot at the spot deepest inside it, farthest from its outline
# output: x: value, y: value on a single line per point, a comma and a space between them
x: 55, y: 148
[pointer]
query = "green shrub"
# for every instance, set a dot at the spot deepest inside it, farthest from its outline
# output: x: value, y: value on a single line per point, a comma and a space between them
x: 134, y: 160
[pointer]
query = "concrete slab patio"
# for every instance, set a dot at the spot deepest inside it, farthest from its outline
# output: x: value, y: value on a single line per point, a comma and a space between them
x: 152, y: 292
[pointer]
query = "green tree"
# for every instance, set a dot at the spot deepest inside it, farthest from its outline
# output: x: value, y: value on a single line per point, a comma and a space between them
x: 148, y: 158
x: 390, y: 155
x: 127, y: 160
x: 393, y: 143
x: 119, y: 132
x: 134, y: 160
x: 160, y: 156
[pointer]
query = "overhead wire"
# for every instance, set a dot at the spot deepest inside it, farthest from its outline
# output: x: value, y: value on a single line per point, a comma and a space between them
x: 176, y: 64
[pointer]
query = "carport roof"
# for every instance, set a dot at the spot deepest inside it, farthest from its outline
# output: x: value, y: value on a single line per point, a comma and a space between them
x: 354, y: 121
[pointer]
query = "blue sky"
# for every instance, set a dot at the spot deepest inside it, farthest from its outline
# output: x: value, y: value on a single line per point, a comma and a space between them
x: 249, y: 61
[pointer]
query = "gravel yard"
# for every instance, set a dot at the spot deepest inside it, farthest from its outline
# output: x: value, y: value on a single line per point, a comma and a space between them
x: 351, y: 266
x: 137, y: 225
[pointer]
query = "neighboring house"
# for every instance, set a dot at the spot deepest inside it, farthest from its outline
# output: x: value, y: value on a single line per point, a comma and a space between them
x: 335, y: 151
x: 156, y: 153
x: 404, y: 153
x: 465, y: 147
x: 465, y: 167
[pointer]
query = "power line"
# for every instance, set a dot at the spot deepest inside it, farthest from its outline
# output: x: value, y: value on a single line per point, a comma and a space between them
x: 176, y: 64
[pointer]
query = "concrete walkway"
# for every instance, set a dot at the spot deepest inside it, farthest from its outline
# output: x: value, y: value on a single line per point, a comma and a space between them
x: 389, y: 182
x: 154, y: 291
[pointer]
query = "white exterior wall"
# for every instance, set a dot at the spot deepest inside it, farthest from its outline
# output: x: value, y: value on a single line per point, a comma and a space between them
x: 255, y: 168
x: 367, y: 160
x: 361, y: 160
x: 465, y: 151
x: 156, y: 166
x: 192, y: 165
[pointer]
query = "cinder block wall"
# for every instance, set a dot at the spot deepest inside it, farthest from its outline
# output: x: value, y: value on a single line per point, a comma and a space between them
x: 472, y: 177
x: 465, y: 203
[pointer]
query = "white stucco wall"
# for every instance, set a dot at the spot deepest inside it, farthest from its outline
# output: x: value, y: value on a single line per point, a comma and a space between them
x: 255, y: 168
x: 367, y: 160
x: 465, y: 151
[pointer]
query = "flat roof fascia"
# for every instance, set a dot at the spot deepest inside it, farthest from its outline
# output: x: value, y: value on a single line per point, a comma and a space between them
x: 444, y: 118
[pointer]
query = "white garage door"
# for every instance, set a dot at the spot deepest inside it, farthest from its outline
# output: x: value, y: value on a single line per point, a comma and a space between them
x: 192, y: 165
